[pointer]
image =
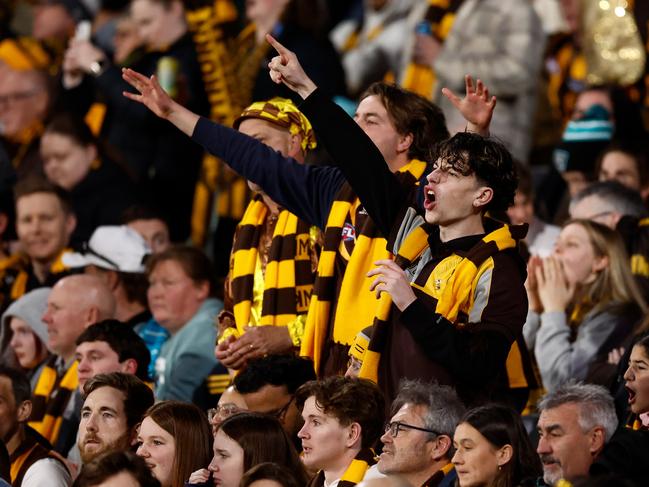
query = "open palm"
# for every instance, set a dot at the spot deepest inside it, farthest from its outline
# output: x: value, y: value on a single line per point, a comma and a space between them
x: 150, y: 94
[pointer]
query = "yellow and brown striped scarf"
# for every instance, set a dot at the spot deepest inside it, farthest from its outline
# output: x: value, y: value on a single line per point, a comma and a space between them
x: 356, y: 304
x: 288, y: 280
x: 454, y: 295
x: 50, y: 398
x: 355, y: 471
x: 440, y: 14
x: 211, y: 24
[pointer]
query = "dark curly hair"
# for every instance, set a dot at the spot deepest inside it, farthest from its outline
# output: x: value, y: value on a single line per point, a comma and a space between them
x: 470, y: 153
x: 349, y: 400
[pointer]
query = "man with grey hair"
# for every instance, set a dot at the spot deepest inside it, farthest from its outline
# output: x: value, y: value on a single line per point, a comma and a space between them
x: 576, y: 421
x: 620, y: 208
x: 417, y: 443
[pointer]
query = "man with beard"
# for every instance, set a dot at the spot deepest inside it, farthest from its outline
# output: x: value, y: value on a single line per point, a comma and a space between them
x: 113, y: 408
x: 33, y: 463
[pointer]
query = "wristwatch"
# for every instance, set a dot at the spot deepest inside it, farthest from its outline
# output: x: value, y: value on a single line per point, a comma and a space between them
x: 97, y: 67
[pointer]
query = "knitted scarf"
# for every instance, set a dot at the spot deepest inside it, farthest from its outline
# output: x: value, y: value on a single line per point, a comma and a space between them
x: 455, y: 295
x: 50, y: 398
x: 210, y: 23
x: 355, y: 471
x: 356, y: 304
x: 288, y: 280
x: 440, y: 15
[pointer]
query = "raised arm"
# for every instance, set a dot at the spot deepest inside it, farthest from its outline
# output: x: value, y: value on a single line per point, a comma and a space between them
x: 307, y: 191
x: 477, y: 107
x: 349, y: 147
x: 158, y: 101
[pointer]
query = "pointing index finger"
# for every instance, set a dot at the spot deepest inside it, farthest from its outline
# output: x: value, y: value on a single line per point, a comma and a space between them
x: 281, y: 50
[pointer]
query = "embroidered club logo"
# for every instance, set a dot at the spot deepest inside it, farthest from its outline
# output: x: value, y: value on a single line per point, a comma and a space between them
x: 348, y: 233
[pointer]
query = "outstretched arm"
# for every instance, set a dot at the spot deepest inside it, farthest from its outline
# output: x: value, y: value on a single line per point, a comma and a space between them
x: 152, y: 96
x: 350, y: 148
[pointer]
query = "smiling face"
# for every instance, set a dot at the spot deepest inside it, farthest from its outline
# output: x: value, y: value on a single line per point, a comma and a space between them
x: 66, y: 163
x: 450, y: 197
x: 637, y: 380
x: 577, y: 255
x: 564, y: 448
x: 410, y: 452
x: 323, y: 439
x: 174, y: 298
x: 227, y: 464
x: 103, y: 426
x: 43, y: 227
x: 475, y: 460
x: 158, y: 449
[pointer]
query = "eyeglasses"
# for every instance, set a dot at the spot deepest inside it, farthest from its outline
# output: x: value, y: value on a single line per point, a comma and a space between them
x: 281, y: 412
x: 397, y: 426
x: 223, y: 411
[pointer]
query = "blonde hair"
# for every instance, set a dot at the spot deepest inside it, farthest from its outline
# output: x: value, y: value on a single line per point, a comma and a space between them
x: 615, y: 283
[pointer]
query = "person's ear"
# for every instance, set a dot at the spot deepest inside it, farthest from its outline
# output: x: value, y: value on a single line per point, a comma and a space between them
x: 202, y: 290
x: 504, y: 455
x: 129, y: 366
x: 295, y: 146
x: 597, y: 440
x: 353, y: 435
x: 24, y: 411
x: 404, y: 143
x: 441, y: 448
x: 92, y: 316
x: 600, y: 263
x: 70, y: 224
x: 483, y: 196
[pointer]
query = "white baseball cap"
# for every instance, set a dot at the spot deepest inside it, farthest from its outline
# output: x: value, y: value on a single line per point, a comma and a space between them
x: 117, y: 248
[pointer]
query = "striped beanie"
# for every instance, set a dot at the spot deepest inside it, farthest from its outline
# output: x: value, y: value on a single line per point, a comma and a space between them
x: 283, y: 113
x: 583, y: 140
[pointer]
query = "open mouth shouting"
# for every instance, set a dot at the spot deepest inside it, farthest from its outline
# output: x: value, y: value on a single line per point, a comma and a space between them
x: 429, y: 198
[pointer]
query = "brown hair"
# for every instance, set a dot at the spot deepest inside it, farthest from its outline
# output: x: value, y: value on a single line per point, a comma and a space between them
x: 138, y: 396
x: 263, y: 439
x: 270, y: 471
x: 34, y: 184
x: 192, y: 433
x: 412, y: 114
x: 349, y: 400
x: 113, y: 463
x: 193, y: 261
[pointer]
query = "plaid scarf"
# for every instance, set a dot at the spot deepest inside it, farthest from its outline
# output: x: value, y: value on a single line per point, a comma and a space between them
x: 50, y: 398
x: 455, y: 295
x: 288, y: 280
x: 356, y: 304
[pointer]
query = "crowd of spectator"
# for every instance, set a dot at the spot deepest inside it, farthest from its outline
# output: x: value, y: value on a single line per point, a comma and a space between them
x: 291, y: 243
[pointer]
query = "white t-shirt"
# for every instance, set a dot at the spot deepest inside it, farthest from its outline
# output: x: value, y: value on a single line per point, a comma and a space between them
x: 47, y: 471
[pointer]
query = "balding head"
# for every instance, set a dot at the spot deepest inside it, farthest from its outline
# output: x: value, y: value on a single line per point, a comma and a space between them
x: 75, y: 303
